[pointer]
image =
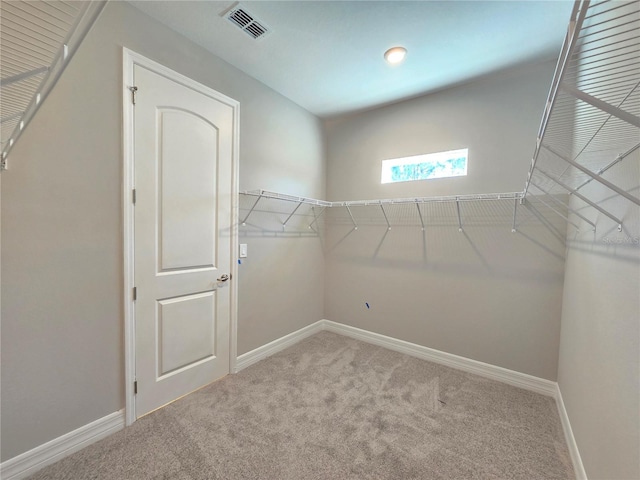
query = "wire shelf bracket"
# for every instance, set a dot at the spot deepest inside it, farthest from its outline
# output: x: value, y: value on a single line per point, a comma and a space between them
x: 316, y: 218
x: 420, y: 215
x: 583, y: 198
x: 385, y: 216
x: 284, y: 224
x: 604, y: 106
x: 558, y: 202
x: 594, y: 176
x: 244, y: 222
x: 355, y: 225
x: 562, y: 215
x: 618, y: 159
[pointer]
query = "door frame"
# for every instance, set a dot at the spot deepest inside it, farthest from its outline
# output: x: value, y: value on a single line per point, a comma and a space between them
x: 129, y: 60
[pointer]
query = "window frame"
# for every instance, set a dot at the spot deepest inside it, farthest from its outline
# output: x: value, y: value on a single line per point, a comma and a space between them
x: 424, y: 158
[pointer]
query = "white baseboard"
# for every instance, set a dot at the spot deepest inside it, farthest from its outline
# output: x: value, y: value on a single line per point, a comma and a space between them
x: 511, y: 377
x: 578, y: 467
x: 504, y: 375
x: 33, y: 460
x: 58, y: 448
x: 249, y: 358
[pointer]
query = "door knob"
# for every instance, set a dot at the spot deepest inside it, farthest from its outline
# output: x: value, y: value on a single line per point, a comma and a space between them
x: 224, y: 277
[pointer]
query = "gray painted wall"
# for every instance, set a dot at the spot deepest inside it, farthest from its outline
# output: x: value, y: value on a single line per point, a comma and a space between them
x: 62, y: 303
x: 485, y: 293
x: 496, y: 117
x: 599, y: 366
x: 61, y: 243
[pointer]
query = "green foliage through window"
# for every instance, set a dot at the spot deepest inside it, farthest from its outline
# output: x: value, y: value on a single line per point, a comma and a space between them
x: 424, y: 167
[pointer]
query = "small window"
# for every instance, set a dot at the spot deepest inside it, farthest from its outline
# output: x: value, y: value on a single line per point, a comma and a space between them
x: 424, y: 167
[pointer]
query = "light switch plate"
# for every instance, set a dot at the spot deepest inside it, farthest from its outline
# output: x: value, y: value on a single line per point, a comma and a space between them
x: 243, y: 250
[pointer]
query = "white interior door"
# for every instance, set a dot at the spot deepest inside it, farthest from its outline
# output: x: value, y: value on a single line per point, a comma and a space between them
x: 183, y: 147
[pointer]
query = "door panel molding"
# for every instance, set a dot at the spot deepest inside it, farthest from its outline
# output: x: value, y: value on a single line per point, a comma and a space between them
x: 199, y: 246
x: 130, y: 59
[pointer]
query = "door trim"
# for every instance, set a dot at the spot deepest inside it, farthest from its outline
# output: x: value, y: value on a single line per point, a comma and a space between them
x: 129, y: 60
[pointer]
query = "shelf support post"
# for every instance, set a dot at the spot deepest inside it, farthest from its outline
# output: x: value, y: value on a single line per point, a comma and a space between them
x: 459, y: 217
x: 13, y: 116
x: 244, y: 222
x: 315, y: 219
x: 22, y: 76
x: 515, y: 210
x: 313, y: 212
x: 385, y: 216
x: 355, y: 225
x: 284, y: 224
x: 420, y: 215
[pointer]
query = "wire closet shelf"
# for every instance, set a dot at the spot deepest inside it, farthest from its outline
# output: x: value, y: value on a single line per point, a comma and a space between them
x: 37, y: 40
x: 592, y: 113
x: 591, y: 119
x: 383, y: 204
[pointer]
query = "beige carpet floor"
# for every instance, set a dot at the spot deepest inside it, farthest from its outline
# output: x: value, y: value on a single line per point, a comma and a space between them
x: 332, y: 407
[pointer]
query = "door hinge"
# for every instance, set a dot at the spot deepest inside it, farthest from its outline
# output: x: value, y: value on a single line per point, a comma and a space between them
x: 133, y: 196
x: 135, y: 293
x: 135, y: 387
x: 133, y: 94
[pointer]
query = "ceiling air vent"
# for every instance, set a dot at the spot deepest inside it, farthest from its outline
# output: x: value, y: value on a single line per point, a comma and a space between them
x: 247, y: 23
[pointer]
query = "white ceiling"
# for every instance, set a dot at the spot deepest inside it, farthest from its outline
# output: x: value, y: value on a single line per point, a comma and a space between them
x: 327, y: 56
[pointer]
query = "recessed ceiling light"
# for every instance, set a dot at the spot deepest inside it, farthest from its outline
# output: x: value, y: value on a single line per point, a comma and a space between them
x: 395, y: 55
